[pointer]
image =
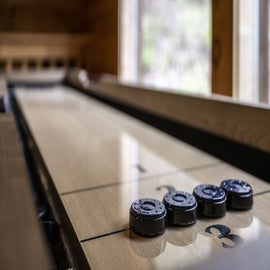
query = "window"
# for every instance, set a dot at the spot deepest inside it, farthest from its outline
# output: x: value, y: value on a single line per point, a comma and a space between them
x: 251, y: 51
x: 167, y: 44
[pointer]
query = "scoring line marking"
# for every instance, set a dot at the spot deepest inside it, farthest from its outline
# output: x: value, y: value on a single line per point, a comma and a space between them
x: 261, y: 193
x: 200, y: 167
x: 103, y: 235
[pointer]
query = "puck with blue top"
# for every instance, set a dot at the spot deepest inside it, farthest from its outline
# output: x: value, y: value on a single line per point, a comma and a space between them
x: 239, y: 194
x: 181, y: 208
x: 147, y: 217
x: 211, y: 200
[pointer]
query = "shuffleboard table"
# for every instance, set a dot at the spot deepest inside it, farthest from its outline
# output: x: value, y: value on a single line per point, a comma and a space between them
x: 94, y: 161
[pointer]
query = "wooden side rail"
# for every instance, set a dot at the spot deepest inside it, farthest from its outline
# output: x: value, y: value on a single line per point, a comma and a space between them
x: 243, y: 123
x: 239, y: 122
x: 22, y: 245
x: 3, y: 85
x: 221, y: 126
x: 3, y: 92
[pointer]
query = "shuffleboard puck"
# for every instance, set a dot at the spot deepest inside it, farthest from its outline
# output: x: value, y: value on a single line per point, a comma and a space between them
x: 211, y: 200
x: 181, y: 208
x: 147, y: 217
x: 239, y: 194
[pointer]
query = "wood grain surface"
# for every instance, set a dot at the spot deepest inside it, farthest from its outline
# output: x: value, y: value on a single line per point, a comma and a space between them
x: 90, y: 150
x: 178, y: 247
x: 103, y: 20
x: 86, y: 144
x: 95, y: 18
x: 35, y: 17
x: 22, y: 245
x: 114, y: 201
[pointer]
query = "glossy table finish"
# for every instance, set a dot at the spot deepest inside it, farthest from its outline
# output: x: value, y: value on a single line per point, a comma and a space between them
x: 100, y: 160
x: 86, y: 144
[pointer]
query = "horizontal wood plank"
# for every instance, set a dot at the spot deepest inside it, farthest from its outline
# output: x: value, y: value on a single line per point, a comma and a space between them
x: 35, y: 38
x: 33, y: 51
x: 33, y: 16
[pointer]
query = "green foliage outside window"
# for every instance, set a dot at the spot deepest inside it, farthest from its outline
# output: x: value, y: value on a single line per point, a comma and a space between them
x: 176, y: 44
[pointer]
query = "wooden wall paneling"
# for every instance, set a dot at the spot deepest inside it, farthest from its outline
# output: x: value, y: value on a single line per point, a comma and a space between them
x: 222, y: 47
x: 22, y: 245
x: 34, y: 16
x: 22, y: 51
x: 99, y: 19
x: 40, y: 38
x: 104, y: 30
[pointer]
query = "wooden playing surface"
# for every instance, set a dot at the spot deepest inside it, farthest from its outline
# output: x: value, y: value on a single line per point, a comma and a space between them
x: 100, y: 160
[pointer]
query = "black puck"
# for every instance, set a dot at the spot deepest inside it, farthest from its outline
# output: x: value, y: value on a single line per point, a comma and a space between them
x: 147, y: 217
x: 239, y: 194
x: 181, y: 208
x: 211, y: 200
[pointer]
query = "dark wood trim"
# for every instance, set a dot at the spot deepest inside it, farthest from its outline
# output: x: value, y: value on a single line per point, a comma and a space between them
x: 222, y: 47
